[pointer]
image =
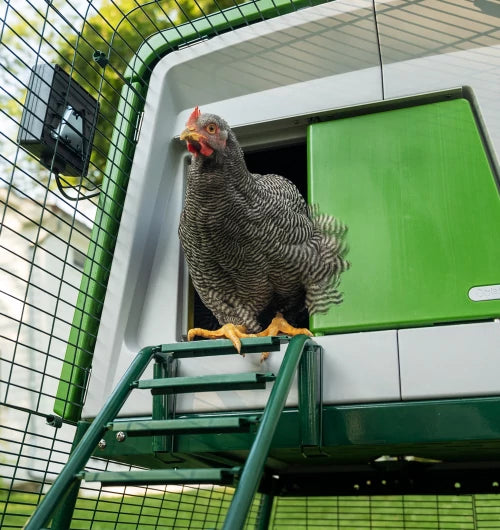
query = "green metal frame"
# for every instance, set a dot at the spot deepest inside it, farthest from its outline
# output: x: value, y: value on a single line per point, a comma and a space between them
x: 85, y: 325
x: 453, y: 430
x: 63, y: 514
x: 81, y: 343
x: 254, y: 466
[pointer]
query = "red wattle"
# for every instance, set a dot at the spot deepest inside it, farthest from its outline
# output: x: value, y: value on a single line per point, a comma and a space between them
x: 205, y: 150
x: 192, y: 149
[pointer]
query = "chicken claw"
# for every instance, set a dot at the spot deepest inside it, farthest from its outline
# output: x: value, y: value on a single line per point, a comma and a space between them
x: 232, y: 332
x: 280, y: 325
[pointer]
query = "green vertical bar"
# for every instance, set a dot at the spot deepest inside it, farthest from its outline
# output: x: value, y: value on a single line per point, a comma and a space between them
x: 309, y: 382
x: 159, y: 407
x: 81, y: 342
x: 252, y: 471
x: 64, y: 512
x: 265, y: 510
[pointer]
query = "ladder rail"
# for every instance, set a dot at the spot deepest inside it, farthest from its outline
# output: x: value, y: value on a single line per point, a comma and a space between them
x: 251, y: 474
x: 254, y: 465
x: 78, y: 459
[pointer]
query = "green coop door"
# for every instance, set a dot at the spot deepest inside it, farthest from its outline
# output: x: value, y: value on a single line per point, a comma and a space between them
x: 416, y: 190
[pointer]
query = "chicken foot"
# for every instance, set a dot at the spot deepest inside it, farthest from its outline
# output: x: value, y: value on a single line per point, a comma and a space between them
x: 232, y: 332
x: 280, y: 325
x: 235, y: 332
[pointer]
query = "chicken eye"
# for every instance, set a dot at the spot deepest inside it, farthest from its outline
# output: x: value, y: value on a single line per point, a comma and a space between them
x: 211, y: 128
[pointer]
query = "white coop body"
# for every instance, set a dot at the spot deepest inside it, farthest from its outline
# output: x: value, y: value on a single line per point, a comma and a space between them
x: 268, y: 81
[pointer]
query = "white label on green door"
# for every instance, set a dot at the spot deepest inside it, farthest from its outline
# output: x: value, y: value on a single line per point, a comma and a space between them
x: 484, y: 292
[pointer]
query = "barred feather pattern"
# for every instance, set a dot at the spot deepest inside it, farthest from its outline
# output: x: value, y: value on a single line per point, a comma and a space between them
x: 251, y: 242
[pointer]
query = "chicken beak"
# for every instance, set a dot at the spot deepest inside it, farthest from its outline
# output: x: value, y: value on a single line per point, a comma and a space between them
x: 190, y: 134
x: 196, y: 142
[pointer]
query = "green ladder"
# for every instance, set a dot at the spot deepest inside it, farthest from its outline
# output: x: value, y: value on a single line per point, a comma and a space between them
x: 302, y: 354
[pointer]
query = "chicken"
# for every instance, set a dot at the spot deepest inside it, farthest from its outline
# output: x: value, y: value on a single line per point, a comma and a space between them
x: 252, y: 244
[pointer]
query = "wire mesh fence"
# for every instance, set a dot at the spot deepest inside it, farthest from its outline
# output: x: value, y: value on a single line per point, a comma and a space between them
x: 57, y: 235
x: 55, y: 255
x: 436, y: 512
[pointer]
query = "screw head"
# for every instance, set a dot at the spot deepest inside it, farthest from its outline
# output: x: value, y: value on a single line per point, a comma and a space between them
x: 102, y: 444
x: 120, y: 436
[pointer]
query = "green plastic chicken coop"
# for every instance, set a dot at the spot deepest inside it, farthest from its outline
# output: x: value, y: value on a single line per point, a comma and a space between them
x: 384, y: 114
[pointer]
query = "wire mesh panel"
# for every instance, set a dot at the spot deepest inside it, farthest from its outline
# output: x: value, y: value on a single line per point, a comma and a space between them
x: 70, y: 103
x: 154, y: 507
x: 410, y: 512
x: 73, y: 82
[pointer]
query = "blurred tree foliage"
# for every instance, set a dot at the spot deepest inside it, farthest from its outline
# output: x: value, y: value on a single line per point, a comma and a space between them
x: 117, y: 30
x: 26, y: 34
x: 68, y: 32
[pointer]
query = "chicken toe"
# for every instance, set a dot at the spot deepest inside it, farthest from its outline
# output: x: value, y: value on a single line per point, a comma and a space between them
x: 280, y: 325
x: 232, y: 332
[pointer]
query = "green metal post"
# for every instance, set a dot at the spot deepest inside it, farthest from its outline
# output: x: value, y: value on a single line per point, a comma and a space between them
x: 254, y: 465
x: 309, y: 382
x: 159, y: 407
x: 265, y: 510
x: 83, y: 451
x: 64, y: 513
x: 81, y: 342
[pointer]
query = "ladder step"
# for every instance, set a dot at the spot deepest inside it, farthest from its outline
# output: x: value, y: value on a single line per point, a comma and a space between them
x: 224, y: 476
x: 206, y: 383
x: 185, y: 426
x: 203, y: 348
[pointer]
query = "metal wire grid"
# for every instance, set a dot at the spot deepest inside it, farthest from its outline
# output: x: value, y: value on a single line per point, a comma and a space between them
x: 155, y: 507
x: 43, y: 239
x: 35, y: 459
x: 409, y: 512
x: 35, y: 33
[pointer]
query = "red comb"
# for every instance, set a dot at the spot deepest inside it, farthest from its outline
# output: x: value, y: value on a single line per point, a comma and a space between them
x: 194, y: 115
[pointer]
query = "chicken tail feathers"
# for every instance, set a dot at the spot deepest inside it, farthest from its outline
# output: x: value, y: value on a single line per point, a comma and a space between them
x: 327, y: 224
x: 320, y: 297
x: 322, y: 292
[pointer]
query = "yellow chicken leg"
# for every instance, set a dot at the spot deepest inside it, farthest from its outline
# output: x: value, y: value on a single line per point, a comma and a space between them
x: 232, y: 332
x: 280, y: 325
